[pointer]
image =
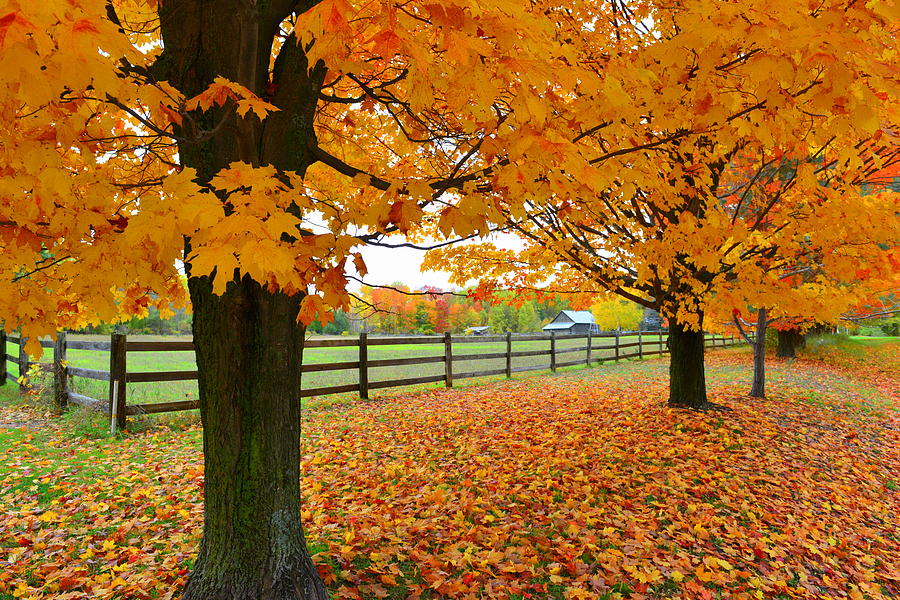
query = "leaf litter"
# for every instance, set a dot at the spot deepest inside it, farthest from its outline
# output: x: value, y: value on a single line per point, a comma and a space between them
x: 579, y: 486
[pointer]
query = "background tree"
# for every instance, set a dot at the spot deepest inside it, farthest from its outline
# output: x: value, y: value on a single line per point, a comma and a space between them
x: 617, y: 313
x: 716, y: 110
x: 822, y: 276
x: 395, y: 309
x: 423, y: 319
x: 502, y: 319
x: 463, y: 316
x: 526, y: 319
x: 790, y: 339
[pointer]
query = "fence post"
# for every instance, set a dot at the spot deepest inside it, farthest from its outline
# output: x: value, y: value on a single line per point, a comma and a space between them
x: 587, y: 361
x: 2, y: 357
x: 617, y: 345
x: 553, y: 351
x: 23, y: 362
x: 641, y: 345
x: 660, y: 343
x: 60, y: 372
x: 363, y: 365
x: 117, y: 373
x: 508, y: 354
x: 448, y: 360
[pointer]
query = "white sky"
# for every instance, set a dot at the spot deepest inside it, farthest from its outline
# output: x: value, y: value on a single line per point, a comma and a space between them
x: 390, y: 265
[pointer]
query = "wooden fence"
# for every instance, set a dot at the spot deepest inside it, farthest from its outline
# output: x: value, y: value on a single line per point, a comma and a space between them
x: 647, y: 344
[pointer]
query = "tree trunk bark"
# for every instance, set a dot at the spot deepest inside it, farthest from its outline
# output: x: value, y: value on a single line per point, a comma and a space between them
x: 248, y: 344
x: 249, y: 351
x: 758, y: 389
x: 789, y: 340
x: 687, y: 377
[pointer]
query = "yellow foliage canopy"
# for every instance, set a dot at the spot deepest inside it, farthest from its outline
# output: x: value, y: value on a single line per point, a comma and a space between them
x: 726, y: 154
x: 606, y: 135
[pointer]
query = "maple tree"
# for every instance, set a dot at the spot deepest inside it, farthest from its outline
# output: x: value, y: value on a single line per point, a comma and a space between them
x: 257, y: 144
x: 827, y: 303
x: 732, y: 146
x: 790, y: 338
x: 819, y: 280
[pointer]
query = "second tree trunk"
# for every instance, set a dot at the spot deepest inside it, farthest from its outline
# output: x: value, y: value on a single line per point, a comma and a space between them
x: 687, y: 376
x: 758, y: 389
x: 788, y: 342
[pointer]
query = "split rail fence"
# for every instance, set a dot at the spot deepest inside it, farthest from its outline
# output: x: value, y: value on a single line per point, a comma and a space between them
x: 597, y: 348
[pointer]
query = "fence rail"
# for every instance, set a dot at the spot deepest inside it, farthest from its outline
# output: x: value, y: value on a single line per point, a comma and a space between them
x: 118, y: 347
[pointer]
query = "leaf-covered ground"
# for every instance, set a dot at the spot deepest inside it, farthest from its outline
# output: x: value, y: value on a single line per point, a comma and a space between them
x: 582, y: 485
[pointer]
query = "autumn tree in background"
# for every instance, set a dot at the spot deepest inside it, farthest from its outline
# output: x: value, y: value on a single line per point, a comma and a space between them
x: 663, y: 205
x: 870, y: 293
x: 257, y: 144
x: 396, y: 309
x: 527, y: 319
x: 617, y: 313
x: 808, y: 298
x: 814, y: 276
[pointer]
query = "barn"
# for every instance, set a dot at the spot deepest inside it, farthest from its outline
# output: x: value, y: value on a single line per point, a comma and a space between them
x: 573, y: 322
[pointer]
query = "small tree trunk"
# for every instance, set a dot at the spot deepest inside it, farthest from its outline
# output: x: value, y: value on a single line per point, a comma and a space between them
x: 249, y: 350
x: 788, y: 342
x: 758, y: 390
x: 687, y: 378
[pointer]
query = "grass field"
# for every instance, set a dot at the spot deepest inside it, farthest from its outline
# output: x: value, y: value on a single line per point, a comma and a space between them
x: 582, y: 485
x: 140, y: 393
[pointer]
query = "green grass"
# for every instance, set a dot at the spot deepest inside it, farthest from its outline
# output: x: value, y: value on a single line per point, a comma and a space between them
x: 839, y: 345
x: 141, y: 393
x: 867, y: 341
x: 41, y: 447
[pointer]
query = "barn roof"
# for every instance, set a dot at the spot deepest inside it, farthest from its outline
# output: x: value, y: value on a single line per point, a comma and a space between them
x: 579, y: 316
x: 566, y: 319
x: 558, y: 326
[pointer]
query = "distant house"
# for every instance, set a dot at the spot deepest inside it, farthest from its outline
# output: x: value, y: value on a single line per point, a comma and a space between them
x: 480, y: 330
x: 573, y: 322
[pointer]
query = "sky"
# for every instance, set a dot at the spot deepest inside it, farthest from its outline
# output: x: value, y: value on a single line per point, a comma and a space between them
x: 390, y: 265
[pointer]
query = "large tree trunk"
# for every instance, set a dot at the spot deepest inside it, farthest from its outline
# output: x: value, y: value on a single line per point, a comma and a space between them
x: 758, y: 389
x: 687, y: 377
x: 247, y: 341
x: 249, y: 352
x: 789, y: 340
